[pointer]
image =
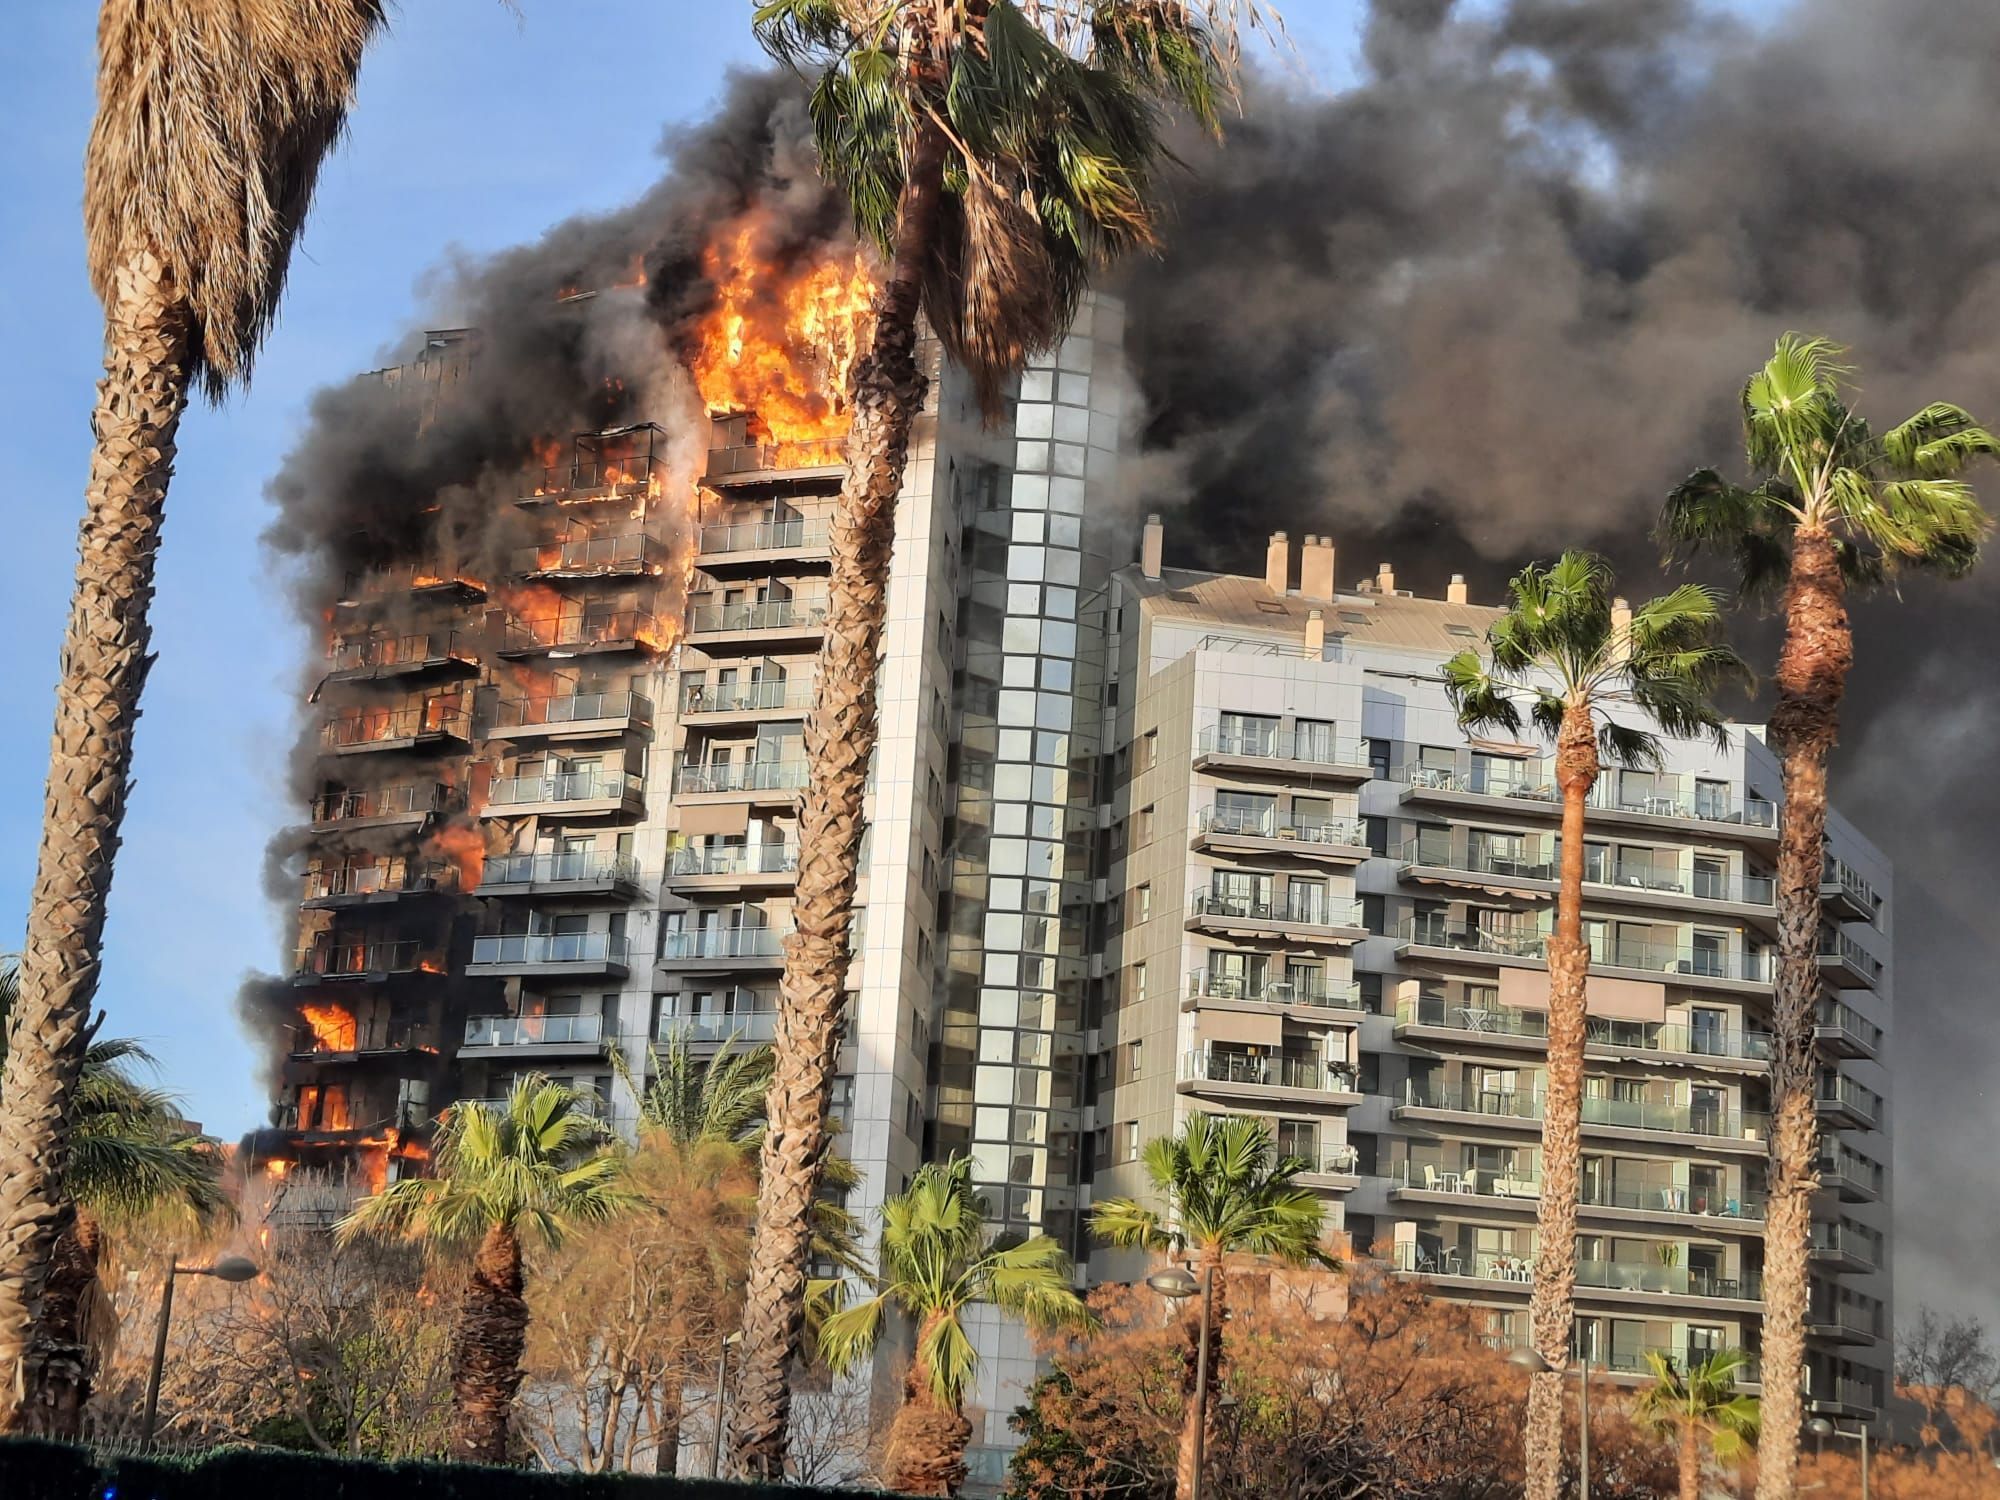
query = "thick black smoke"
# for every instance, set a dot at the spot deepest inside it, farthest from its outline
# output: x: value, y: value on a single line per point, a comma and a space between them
x: 1498, y: 297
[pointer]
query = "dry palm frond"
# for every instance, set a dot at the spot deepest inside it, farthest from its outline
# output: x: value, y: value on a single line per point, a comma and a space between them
x: 213, y: 117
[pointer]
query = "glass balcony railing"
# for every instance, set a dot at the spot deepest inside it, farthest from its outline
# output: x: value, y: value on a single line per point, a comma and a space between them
x: 1621, y: 1114
x: 632, y: 551
x: 725, y: 942
x: 1677, y: 1281
x: 756, y: 1025
x: 1855, y: 1313
x: 1536, y: 859
x: 764, y: 536
x: 1838, y: 947
x: 1600, y: 1031
x: 1837, y: 1016
x: 1274, y: 1072
x: 346, y: 959
x: 504, y: 870
x: 573, y: 708
x: 1435, y: 930
x: 611, y: 628
x: 564, y: 786
x: 1839, y: 1092
x: 637, y: 471
x: 414, y: 800
x: 1293, y: 989
x: 1269, y: 824
x: 357, y: 727
x: 382, y: 650
x: 746, y: 697
x: 1658, y: 796
x: 550, y: 948
x: 757, y: 458
x: 533, y: 1031
x: 1841, y: 1164
x: 742, y: 776
x: 1305, y: 913
x: 771, y: 614
x: 1846, y: 1238
x: 1310, y: 748
x: 1844, y: 877
x: 735, y: 859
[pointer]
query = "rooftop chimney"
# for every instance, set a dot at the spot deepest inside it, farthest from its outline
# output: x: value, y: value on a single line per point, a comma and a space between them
x: 1385, y: 579
x: 1151, y: 540
x: 1621, y: 629
x: 1316, y: 568
x: 1277, y: 563
x: 1454, y: 592
x: 1315, y: 634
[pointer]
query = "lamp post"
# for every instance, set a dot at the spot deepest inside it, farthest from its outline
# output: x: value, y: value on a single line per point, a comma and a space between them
x: 721, y: 1397
x: 229, y: 1268
x: 1532, y: 1359
x: 1822, y: 1429
x: 1177, y: 1284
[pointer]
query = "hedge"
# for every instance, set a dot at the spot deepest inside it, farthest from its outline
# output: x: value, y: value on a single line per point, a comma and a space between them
x: 34, y: 1470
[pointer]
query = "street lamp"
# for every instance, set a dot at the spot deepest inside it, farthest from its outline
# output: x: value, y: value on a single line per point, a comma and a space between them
x: 1177, y: 1284
x: 1822, y: 1429
x: 231, y: 1268
x: 721, y: 1396
x: 1531, y: 1359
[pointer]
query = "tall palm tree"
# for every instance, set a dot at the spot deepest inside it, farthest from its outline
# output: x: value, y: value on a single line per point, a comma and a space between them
x: 539, y: 1169
x: 1227, y: 1191
x: 688, y: 1098
x: 995, y: 152
x: 212, y: 119
x: 1700, y: 1404
x: 1567, y: 650
x: 1831, y: 506
x: 131, y: 1156
x: 936, y: 1262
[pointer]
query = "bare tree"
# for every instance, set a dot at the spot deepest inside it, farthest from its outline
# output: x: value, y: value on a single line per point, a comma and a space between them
x: 1936, y: 1356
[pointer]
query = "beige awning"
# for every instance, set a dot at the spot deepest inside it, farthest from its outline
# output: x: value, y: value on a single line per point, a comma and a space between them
x: 1614, y: 999
x: 1506, y: 747
x: 1243, y: 1026
x: 716, y: 817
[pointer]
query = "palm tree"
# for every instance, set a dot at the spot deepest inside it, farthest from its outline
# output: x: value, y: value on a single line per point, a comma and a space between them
x: 1227, y: 1191
x: 936, y: 1262
x: 1574, y: 653
x: 1832, y: 506
x: 1703, y: 1403
x: 688, y: 1098
x: 539, y: 1169
x: 213, y: 117
x: 131, y: 1156
x: 995, y: 152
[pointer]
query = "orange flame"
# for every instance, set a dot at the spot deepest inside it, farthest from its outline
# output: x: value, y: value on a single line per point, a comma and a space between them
x: 779, y: 347
x: 332, y: 1026
x: 465, y: 847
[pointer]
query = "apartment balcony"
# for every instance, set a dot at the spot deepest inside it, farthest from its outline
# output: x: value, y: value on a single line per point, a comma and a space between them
x: 1843, y: 1397
x: 1246, y: 1079
x: 1651, y: 1202
x: 1309, y: 758
x: 787, y: 698
x: 753, y: 465
x: 364, y: 960
x: 1845, y: 964
x: 1457, y: 864
x: 1223, y: 831
x: 593, y: 479
x: 1633, y: 1282
x: 772, y: 624
x: 592, y: 873
x: 625, y: 554
x: 1481, y: 1027
x: 747, y: 1027
x: 718, y: 949
x: 1732, y: 1130
x: 1844, y: 1104
x: 1848, y: 1174
x: 1846, y: 1246
x: 754, y: 546
x: 405, y: 806
x: 567, y: 794
x: 1430, y: 935
x: 384, y: 655
x: 765, y: 866
x: 1313, y: 999
x: 769, y: 782
x: 548, y: 955
x: 573, y: 716
x: 1843, y: 1031
x: 1336, y: 924
x: 1329, y: 1165
x: 365, y: 731
x: 1661, y: 804
x: 425, y: 583
x: 525, y: 1037
x: 1844, y: 896
x: 358, y: 1041
x: 334, y: 886
x: 591, y: 634
x: 1841, y: 1321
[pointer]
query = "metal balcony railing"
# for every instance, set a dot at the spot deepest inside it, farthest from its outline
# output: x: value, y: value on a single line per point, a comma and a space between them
x: 1623, y: 1114
x: 1838, y: 1091
x: 1839, y: 947
x: 574, y: 708
x: 742, y: 776
x: 1855, y: 1313
x: 1309, y: 748
x: 770, y: 614
x: 753, y: 1025
x: 1838, y: 1161
x: 1288, y: 990
x: 1275, y: 1072
x: 415, y: 799
x: 754, y: 458
x: 1845, y: 1237
x: 605, y: 473
x: 503, y: 870
x: 725, y: 942
x: 339, y: 958
x: 735, y: 859
x: 1836, y: 1015
x: 629, y: 551
x: 373, y: 726
x: 1434, y: 930
x: 549, y: 948
x: 1839, y: 872
x: 1268, y: 824
x: 746, y: 697
x: 613, y: 628
x: 1657, y: 796
x: 1305, y: 913
x: 370, y: 1036
x: 1601, y: 1031
x: 798, y: 533
x: 564, y: 786
x: 380, y: 649
x: 533, y: 1031
x: 378, y: 877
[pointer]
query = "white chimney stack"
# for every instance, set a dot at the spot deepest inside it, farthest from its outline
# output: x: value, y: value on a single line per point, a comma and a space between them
x: 1621, y: 629
x: 1454, y: 592
x: 1315, y: 634
x: 1385, y: 579
x: 1278, y: 563
x: 1316, y: 568
x: 1151, y: 542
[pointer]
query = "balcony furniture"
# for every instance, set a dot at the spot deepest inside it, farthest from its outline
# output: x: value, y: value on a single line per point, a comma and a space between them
x: 1452, y: 1265
x: 1430, y: 1179
x: 1475, y: 1017
x: 1279, y: 992
x: 1469, y: 1183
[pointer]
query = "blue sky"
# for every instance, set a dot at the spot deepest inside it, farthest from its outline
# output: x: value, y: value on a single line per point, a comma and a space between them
x: 475, y: 130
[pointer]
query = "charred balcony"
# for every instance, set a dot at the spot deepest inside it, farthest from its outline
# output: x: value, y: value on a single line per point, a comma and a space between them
x: 741, y: 456
x: 616, y: 554
x: 591, y: 873
x: 425, y: 582
x: 570, y: 716
x: 619, y: 464
x: 407, y: 804
x: 589, y: 633
x: 372, y: 880
x: 364, y: 959
x: 380, y: 654
x: 334, y: 1042
x: 440, y: 723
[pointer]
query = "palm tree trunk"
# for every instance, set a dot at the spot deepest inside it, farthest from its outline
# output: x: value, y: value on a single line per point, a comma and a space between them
x: 1551, y: 1316
x: 1690, y: 1462
x: 840, y: 733
x: 1199, y: 1416
x: 104, y: 664
x: 63, y: 1361
x: 486, y: 1369
x: 925, y: 1450
x: 1812, y: 675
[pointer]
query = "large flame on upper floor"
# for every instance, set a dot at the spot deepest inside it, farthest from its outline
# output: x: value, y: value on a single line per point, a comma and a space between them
x: 780, y: 341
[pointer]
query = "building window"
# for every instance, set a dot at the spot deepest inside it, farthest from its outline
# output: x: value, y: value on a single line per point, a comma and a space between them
x: 1128, y: 1141
x: 1142, y: 827
x: 1134, y: 1059
x: 1138, y: 984
x: 1149, y: 750
x: 1142, y: 903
